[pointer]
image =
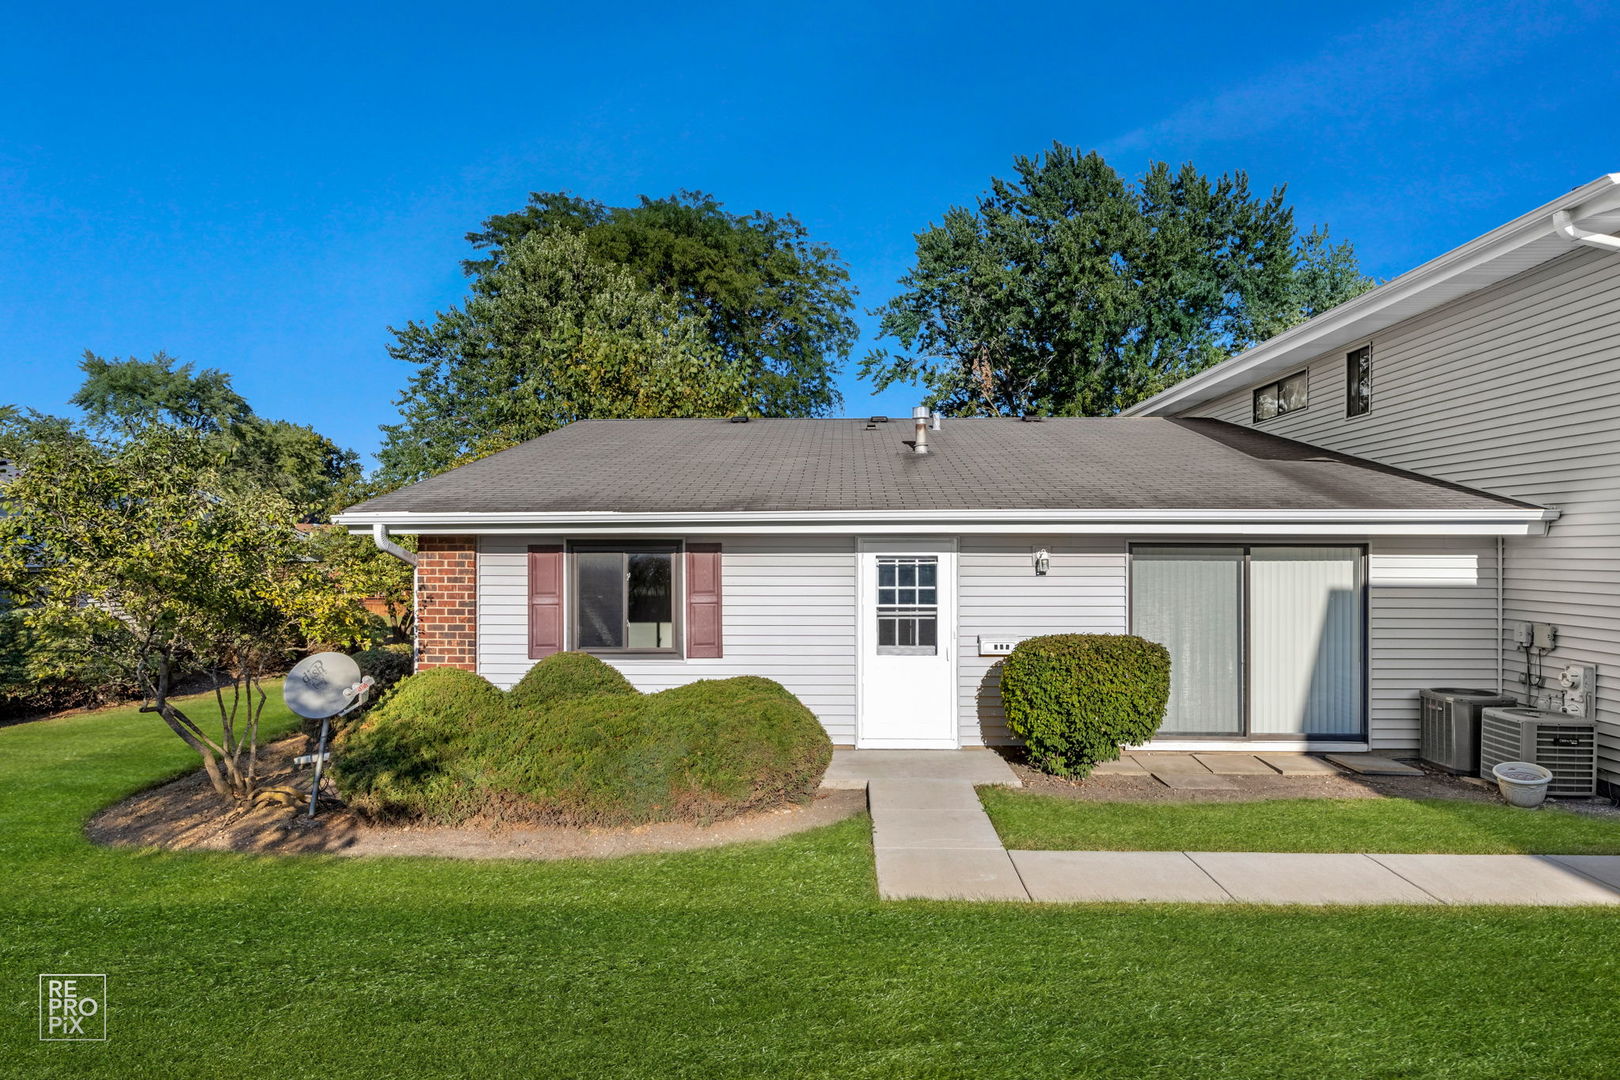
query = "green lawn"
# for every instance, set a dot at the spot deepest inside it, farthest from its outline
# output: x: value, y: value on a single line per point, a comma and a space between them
x: 767, y: 960
x: 1046, y: 823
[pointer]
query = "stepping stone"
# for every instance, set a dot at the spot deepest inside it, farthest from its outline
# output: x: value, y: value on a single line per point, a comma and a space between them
x: 921, y: 795
x: 1235, y: 765
x: 1186, y: 779
x: 946, y: 874
x: 933, y: 829
x: 1289, y: 878
x: 1499, y: 879
x: 1102, y: 876
x: 1123, y: 767
x: 1298, y: 764
x: 1373, y: 765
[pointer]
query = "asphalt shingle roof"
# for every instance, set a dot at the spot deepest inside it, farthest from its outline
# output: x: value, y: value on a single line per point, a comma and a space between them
x: 1124, y: 463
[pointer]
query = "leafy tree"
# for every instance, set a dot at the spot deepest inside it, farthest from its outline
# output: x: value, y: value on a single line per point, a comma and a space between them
x: 549, y: 335
x: 127, y: 395
x: 129, y: 555
x: 775, y: 303
x: 361, y: 574
x: 1068, y: 291
x: 124, y: 396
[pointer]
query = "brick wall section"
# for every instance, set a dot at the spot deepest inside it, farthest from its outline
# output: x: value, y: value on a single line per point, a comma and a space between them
x: 447, y: 602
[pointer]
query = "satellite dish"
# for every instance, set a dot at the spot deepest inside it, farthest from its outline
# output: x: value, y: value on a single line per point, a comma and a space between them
x: 322, y: 685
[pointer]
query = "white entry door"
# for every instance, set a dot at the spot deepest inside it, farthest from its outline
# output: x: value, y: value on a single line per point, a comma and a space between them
x: 908, y: 667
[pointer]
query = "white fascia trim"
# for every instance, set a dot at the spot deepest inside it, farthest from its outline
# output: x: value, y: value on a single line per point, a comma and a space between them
x: 1599, y: 196
x: 1504, y: 521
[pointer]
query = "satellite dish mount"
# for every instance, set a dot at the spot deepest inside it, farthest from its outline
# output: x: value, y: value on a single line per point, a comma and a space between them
x: 323, y: 687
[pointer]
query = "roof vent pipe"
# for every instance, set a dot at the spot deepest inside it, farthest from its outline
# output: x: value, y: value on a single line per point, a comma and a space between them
x: 919, y: 420
x: 1565, y: 226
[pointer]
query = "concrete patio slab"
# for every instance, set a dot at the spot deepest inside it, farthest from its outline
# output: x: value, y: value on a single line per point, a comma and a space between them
x: 1192, y: 781
x: 1605, y: 868
x: 968, y: 766
x: 961, y: 874
x: 1373, y: 765
x: 1157, y: 761
x: 882, y: 795
x: 1288, y: 878
x: 1290, y: 764
x: 1235, y: 765
x: 1123, y: 767
x: 1499, y: 879
x: 954, y: 829
x: 1103, y: 876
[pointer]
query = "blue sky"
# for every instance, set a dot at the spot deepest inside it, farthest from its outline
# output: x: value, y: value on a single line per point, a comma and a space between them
x: 266, y: 188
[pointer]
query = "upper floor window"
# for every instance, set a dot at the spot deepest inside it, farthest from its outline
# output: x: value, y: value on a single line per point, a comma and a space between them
x: 1358, y: 381
x: 1283, y: 396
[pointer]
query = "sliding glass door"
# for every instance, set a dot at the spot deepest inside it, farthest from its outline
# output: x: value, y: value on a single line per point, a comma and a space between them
x: 1190, y: 600
x: 1264, y: 640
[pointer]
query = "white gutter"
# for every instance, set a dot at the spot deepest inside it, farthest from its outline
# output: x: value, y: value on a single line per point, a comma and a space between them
x: 1477, y: 264
x: 379, y: 536
x: 1565, y: 226
x: 1494, y: 521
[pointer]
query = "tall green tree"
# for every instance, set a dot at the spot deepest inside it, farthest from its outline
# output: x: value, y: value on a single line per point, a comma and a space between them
x: 548, y: 335
x: 1069, y: 291
x: 120, y: 397
x: 776, y: 304
x: 128, y: 560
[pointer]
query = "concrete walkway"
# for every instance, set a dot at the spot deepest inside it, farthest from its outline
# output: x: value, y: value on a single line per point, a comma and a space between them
x: 933, y: 840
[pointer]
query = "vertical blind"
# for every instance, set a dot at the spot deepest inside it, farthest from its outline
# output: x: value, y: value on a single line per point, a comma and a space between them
x: 1190, y: 600
x: 1305, y: 640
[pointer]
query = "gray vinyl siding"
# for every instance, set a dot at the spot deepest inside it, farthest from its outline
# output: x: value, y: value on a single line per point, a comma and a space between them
x: 788, y: 615
x: 1514, y: 390
x: 998, y: 592
x: 1431, y: 621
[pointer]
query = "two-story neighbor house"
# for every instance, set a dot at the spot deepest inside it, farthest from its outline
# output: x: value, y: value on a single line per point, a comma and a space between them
x: 1495, y: 366
x: 1314, y: 528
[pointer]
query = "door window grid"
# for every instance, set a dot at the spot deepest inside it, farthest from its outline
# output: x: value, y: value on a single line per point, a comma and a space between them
x: 908, y: 605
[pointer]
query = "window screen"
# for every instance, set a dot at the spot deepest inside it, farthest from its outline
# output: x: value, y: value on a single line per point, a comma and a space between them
x: 908, y: 604
x: 624, y: 598
x: 1283, y: 396
x: 1358, y: 381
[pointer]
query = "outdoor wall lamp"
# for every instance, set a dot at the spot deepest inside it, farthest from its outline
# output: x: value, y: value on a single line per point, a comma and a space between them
x: 1043, y: 562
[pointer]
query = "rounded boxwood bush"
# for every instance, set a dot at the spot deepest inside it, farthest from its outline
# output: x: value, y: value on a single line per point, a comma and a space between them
x: 707, y: 750
x: 1075, y: 699
x: 567, y: 675
x: 447, y: 746
x: 412, y: 755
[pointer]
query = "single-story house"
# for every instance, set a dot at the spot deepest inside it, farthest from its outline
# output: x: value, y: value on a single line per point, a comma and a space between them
x: 1308, y: 583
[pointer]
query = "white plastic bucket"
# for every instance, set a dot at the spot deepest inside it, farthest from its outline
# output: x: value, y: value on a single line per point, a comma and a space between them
x: 1522, y: 783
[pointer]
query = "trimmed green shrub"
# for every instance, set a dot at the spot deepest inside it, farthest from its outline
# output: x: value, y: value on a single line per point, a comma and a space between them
x: 1075, y: 699
x: 387, y: 665
x: 704, y: 751
x: 413, y: 755
x: 447, y: 746
x: 567, y: 675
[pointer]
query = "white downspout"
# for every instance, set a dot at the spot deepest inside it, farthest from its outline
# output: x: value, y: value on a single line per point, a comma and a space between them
x: 379, y: 536
x: 1564, y: 225
x: 1501, y: 620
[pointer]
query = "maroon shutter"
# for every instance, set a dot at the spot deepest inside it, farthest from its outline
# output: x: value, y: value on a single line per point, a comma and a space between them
x: 545, y: 600
x: 703, y: 600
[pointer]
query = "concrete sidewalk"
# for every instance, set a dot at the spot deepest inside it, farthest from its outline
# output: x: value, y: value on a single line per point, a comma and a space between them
x: 933, y: 840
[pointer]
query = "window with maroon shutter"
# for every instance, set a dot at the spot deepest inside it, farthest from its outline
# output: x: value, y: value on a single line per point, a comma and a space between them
x: 545, y: 600
x: 703, y: 636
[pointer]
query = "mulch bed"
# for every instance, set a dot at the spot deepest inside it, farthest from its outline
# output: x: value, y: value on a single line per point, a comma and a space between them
x: 186, y: 815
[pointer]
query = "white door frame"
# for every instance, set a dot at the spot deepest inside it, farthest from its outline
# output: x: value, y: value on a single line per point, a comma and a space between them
x: 947, y: 548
